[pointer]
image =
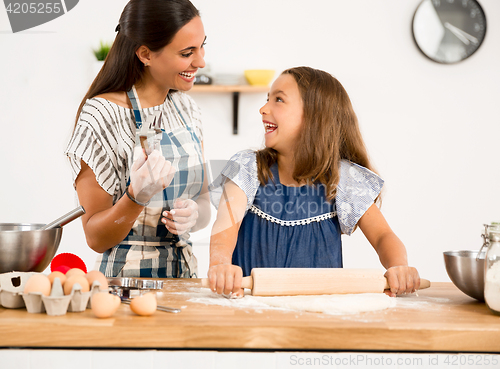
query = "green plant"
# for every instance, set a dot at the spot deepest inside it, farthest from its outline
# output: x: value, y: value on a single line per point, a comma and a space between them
x: 103, y: 50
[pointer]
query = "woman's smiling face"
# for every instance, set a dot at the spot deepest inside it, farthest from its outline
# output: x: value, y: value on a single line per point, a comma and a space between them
x: 175, y: 66
x: 282, y: 114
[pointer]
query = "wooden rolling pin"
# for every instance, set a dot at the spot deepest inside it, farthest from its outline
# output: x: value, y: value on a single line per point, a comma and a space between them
x: 315, y: 281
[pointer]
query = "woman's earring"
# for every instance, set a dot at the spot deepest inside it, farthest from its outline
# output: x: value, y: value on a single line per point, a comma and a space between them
x: 146, y: 64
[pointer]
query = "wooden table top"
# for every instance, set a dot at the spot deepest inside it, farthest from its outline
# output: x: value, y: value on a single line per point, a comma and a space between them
x: 440, y: 319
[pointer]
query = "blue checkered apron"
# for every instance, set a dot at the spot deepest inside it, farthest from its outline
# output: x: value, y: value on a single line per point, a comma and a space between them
x: 150, y: 250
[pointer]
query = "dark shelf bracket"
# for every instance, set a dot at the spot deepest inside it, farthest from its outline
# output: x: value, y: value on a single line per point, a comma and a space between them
x: 236, y: 99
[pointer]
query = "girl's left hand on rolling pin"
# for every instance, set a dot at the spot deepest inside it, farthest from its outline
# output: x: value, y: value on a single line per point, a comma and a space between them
x: 402, y: 280
x: 182, y: 217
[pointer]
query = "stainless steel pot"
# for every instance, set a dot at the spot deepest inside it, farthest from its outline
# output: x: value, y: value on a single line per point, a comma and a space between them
x: 30, y: 247
x: 26, y: 248
x: 466, y: 270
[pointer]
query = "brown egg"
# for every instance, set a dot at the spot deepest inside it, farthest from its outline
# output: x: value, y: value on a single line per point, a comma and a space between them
x: 59, y: 275
x: 74, y: 271
x: 144, y: 305
x: 104, y: 304
x: 95, y: 275
x: 80, y: 279
x: 38, y: 283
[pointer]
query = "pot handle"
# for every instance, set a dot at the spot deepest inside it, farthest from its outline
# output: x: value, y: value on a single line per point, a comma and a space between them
x: 65, y: 219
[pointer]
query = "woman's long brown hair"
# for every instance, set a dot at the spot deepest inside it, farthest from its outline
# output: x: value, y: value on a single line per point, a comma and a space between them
x: 152, y: 23
x: 330, y: 133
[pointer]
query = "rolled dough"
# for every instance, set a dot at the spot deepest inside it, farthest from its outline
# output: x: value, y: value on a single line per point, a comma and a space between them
x: 327, y: 304
x: 332, y: 304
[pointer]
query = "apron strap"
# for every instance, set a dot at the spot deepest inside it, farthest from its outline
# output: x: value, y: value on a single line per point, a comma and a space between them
x: 136, y: 107
x: 178, y: 111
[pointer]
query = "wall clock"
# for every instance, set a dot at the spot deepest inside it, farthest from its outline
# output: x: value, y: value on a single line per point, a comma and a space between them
x: 449, y: 31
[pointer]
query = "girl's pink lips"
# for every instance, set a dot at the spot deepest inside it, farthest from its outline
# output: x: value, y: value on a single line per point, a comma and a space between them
x: 269, y: 126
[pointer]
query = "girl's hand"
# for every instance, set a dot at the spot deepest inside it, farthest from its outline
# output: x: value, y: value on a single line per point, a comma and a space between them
x: 226, y: 279
x: 182, y: 217
x: 402, y: 280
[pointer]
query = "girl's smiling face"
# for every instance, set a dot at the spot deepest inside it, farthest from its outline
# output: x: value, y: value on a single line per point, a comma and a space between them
x: 282, y: 114
x: 175, y: 66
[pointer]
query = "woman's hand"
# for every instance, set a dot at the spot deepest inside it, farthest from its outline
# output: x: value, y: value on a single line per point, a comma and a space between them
x: 149, y: 175
x: 402, y: 279
x: 226, y: 279
x: 182, y: 217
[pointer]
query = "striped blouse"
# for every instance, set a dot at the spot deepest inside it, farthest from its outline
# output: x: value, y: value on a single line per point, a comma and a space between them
x: 104, y: 138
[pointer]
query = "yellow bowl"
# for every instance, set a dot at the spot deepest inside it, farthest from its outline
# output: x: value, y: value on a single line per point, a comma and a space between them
x: 259, y: 77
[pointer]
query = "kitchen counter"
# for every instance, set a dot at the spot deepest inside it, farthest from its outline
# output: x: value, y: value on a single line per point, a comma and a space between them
x: 440, y: 319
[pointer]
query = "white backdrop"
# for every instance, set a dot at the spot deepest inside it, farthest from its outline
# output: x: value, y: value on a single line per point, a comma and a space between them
x: 432, y: 130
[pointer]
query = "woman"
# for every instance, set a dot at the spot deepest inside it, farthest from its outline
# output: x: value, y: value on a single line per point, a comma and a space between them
x: 143, y: 198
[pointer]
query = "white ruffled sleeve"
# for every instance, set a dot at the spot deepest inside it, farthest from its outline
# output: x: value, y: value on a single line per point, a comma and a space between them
x: 242, y: 170
x: 357, y: 190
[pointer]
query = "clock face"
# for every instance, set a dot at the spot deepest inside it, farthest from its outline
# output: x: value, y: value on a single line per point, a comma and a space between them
x: 448, y: 31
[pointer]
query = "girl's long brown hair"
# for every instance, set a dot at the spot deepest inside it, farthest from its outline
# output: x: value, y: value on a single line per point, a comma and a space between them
x: 152, y: 23
x: 330, y: 133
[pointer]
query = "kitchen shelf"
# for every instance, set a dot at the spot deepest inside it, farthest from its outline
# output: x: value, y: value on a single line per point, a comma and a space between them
x: 224, y: 88
x: 235, y: 90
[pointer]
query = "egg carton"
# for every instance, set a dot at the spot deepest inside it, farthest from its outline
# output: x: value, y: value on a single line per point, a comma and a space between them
x: 11, y: 288
x: 57, y: 303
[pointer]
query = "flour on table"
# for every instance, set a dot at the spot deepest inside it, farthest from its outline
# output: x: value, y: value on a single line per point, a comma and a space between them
x: 332, y: 304
x: 327, y: 304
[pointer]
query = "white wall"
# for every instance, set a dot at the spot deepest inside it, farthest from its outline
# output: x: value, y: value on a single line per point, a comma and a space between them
x: 431, y: 129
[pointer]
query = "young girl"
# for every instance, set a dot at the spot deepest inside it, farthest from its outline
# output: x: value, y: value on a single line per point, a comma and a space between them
x: 287, y: 205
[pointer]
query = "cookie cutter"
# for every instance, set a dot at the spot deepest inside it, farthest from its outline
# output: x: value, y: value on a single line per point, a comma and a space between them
x: 122, y: 286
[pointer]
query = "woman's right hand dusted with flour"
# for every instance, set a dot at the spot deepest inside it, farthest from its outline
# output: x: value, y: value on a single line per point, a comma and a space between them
x: 149, y: 175
x: 106, y: 224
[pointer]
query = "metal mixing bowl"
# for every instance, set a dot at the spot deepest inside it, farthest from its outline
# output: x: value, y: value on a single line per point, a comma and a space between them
x: 466, y: 272
x: 25, y: 248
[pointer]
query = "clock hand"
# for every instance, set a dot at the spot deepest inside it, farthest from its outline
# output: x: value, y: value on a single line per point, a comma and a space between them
x: 461, y: 35
x: 465, y: 34
x: 456, y: 33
